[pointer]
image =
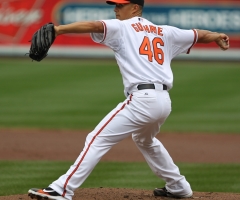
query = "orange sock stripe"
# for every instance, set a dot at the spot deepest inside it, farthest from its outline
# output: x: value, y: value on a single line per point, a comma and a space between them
x: 42, y: 192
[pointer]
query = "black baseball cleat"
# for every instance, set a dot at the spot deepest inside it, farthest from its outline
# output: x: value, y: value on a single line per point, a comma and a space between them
x: 44, y: 194
x: 164, y: 193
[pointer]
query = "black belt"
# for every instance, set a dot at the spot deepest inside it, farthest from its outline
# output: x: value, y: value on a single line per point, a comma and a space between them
x: 149, y: 86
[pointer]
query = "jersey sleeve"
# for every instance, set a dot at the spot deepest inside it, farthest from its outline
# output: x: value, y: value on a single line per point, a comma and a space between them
x: 111, y: 36
x: 181, y: 40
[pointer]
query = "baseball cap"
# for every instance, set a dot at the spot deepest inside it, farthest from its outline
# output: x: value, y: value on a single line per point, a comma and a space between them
x: 139, y: 2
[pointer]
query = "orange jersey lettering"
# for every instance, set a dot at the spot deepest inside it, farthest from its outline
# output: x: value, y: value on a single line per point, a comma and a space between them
x: 147, y: 28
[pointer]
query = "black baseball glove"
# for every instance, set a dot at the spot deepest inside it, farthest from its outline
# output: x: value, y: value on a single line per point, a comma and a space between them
x: 41, y: 42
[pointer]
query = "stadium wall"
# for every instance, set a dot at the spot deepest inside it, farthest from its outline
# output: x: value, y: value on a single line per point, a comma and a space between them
x: 19, y: 19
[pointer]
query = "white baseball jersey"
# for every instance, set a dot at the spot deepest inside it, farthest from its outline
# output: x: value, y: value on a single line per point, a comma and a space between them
x: 144, y: 50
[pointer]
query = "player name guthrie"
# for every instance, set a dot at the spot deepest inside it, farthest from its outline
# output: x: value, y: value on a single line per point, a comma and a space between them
x: 147, y: 28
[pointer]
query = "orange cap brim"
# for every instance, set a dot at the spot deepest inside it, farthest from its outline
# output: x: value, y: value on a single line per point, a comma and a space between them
x: 112, y: 2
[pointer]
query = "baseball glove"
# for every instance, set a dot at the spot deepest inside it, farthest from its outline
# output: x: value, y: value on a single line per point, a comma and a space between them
x: 41, y: 42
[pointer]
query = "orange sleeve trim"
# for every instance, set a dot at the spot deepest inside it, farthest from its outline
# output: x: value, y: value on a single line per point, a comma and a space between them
x: 105, y: 31
x: 194, y: 41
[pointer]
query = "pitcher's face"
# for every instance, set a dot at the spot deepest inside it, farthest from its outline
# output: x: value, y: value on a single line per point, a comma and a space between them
x: 123, y: 11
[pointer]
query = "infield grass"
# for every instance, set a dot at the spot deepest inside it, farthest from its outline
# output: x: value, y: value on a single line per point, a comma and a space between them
x: 77, y: 94
x: 17, y: 177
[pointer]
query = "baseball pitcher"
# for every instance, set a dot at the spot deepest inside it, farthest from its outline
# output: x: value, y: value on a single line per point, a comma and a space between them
x: 143, y: 52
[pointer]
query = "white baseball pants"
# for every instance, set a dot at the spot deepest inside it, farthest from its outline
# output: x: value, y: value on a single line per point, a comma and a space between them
x: 140, y: 115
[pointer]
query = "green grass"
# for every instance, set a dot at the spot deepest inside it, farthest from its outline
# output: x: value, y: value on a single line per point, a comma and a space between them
x: 205, y: 97
x: 17, y: 176
x: 57, y: 94
x: 77, y: 94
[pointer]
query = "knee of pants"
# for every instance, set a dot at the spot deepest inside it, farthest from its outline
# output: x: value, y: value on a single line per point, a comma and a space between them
x: 141, y: 141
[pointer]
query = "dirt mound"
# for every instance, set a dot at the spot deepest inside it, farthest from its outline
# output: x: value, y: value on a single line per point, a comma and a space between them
x: 183, y: 147
x: 129, y: 194
x: 191, y: 147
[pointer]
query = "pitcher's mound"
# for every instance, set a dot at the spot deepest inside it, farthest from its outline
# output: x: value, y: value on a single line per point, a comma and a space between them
x: 129, y: 194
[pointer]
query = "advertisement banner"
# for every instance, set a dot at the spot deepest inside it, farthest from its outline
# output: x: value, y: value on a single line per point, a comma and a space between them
x: 19, y: 19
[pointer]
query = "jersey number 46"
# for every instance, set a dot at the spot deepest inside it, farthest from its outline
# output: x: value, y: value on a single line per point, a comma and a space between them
x: 152, y: 49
